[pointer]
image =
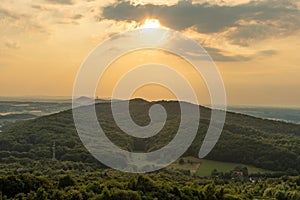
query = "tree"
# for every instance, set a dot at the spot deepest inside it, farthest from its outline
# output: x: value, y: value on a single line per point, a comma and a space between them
x: 210, y: 191
x: 66, y: 181
x: 105, y: 195
x: 181, y: 161
x: 214, y: 173
x: 298, y: 181
x: 280, y: 195
x: 125, y: 195
x: 74, y: 195
x: 94, y: 187
x: 41, y: 193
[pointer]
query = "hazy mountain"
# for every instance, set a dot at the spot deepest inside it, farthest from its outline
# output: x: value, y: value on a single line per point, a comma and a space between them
x: 18, y: 116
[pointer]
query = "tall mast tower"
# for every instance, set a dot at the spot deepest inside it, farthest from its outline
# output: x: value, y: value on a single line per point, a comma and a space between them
x: 53, y: 151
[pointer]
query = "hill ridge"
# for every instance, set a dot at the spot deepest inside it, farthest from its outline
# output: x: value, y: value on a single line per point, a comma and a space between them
x: 245, y: 139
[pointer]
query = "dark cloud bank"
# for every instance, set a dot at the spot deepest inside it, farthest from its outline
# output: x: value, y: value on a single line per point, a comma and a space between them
x: 245, y: 23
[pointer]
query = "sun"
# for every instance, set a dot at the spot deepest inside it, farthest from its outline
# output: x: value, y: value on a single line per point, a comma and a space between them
x: 151, y: 23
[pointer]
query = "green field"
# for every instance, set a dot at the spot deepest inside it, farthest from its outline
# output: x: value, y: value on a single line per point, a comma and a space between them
x: 206, y: 167
x: 202, y: 167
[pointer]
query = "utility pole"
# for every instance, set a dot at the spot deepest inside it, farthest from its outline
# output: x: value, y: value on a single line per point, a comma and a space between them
x: 53, y: 151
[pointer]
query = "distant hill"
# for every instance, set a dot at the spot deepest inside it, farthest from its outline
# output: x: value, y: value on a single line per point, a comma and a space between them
x: 262, y: 143
x: 18, y: 116
x: 290, y: 115
x: 83, y: 101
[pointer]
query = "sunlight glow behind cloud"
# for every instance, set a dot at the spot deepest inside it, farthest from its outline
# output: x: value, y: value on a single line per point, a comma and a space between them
x: 151, y: 23
x: 255, y: 43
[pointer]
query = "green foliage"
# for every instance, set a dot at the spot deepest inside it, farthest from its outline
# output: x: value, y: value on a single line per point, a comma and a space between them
x: 181, y: 161
x: 66, y: 181
x: 159, y: 185
x: 125, y: 195
x: 94, y: 187
x: 74, y: 194
x: 11, y: 185
x: 28, y: 171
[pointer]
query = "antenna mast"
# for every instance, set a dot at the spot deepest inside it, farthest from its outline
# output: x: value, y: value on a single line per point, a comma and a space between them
x: 53, y: 151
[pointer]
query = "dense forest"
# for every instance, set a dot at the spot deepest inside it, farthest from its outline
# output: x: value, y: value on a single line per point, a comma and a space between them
x: 110, y: 184
x: 30, y: 170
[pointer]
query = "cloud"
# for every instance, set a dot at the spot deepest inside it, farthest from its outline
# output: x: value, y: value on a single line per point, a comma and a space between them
x: 256, y: 20
x: 61, y: 1
x: 78, y: 16
x: 19, y: 22
x: 11, y: 44
x: 7, y: 14
x: 220, y: 56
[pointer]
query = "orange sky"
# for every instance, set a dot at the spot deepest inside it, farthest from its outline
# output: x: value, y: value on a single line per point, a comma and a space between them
x: 43, y: 44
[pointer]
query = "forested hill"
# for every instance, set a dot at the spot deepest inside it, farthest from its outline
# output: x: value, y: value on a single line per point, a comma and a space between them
x: 263, y: 143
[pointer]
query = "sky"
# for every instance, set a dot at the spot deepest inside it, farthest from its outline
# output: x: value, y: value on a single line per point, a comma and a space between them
x: 255, y: 44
